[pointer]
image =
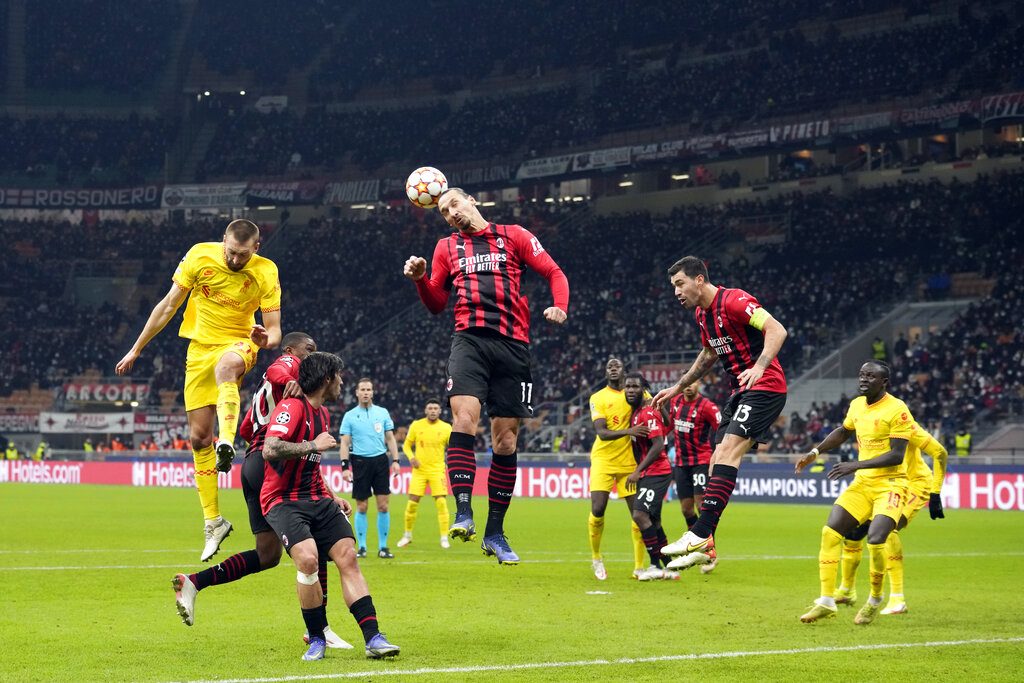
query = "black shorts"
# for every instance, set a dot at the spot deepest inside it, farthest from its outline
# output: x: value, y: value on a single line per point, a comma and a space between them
x: 370, y: 476
x: 321, y: 520
x: 750, y: 414
x: 650, y: 493
x: 252, y: 484
x: 493, y: 368
x: 690, y: 480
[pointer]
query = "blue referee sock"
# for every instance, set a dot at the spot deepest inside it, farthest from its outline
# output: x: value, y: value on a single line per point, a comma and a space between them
x: 383, y: 527
x: 360, y: 528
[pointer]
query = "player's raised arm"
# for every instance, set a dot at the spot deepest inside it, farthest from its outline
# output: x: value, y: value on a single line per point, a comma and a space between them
x: 700, y: 367
x: 158, y: 318
x: 433, y: 290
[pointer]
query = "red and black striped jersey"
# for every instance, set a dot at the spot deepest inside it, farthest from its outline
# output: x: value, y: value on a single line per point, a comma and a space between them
x: 642, y: 444
x: 485, y: 269
x: 695, y: 426
x: 725, y: 328
x: 254, y: 426
x: 294, y: 420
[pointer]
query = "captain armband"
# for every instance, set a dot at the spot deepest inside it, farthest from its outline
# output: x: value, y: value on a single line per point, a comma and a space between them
x: 345, y: 464
x: 758, y: 318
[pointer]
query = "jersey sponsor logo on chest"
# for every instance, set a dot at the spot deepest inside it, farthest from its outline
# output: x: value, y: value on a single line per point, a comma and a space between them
x: 684, y: 426
x: 482, y: 262
x: 721, y: 345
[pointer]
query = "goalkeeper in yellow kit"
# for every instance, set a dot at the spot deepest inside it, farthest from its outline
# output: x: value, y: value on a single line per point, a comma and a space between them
x: 228, y: 282
x: 425, y: 445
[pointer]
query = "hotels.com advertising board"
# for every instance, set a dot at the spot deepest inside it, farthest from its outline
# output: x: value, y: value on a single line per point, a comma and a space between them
x: 980, y: 487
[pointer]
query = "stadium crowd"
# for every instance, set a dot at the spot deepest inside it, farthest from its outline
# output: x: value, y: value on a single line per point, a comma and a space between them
x: 835, y: 271
x: 779, y: 74
x: 113, y: 46
x: 84, y: 151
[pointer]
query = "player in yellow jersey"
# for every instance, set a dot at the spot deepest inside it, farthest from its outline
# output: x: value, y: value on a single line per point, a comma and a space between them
x: 882, y: 424
x: 228, y: 282
x: 611, y: 463
x: 924, y: 488
x: 425, y: 445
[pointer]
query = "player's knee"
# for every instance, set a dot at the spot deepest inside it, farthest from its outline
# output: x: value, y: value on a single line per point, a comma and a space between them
x: 642, y: 519
x: 344, y: 556
x: 306, y: 560
x: 200, y: 441
x: 505, y: 442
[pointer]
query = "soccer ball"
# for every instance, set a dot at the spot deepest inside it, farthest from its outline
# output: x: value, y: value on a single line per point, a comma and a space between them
x: 425, y: 186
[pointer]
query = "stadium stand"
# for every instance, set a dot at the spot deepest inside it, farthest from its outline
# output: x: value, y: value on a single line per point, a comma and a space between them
x: 621, y: 303
x: 87, y: 152
x: 112, y: 46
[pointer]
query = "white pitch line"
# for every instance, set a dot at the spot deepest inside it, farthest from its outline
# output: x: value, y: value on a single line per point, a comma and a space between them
x: 448, y: 561
x: 379, y: 673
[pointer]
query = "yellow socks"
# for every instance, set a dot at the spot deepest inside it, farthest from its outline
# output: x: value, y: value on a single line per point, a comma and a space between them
x: 877, y: 555
x: 828, y: 558
x: 596, y: 525
x: 639, y: 549
x: 227, y: 410
x: 410, y: 515
x: 206, y: 481
x: 894, y: 563
x: 852, y: 552
x: 442, y: 515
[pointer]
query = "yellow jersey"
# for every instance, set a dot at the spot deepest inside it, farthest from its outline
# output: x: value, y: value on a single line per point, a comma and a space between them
x: 917, y: 469
x: 430, y: 440
x: 875, y: 424
x: 612, y: 406
x: 222, y: 305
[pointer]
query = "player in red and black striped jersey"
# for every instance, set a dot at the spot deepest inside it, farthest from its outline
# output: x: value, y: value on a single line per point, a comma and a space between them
x: 696, y: 420
x: 309, y: 519
x: 280, y: 381
x: 735, y: 328
x: 482, y: 262
x: 652, y: 476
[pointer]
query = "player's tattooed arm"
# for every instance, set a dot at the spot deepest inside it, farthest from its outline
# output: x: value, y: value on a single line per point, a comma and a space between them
x: 276, y: 448
x: 700, y: 367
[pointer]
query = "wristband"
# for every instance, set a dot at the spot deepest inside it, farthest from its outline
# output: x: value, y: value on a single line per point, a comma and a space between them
x: 396, y: 461
x: 815, y: 452
x: 344, y: 464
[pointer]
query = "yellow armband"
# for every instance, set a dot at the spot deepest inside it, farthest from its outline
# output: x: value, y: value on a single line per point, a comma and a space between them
x: 759, y: 318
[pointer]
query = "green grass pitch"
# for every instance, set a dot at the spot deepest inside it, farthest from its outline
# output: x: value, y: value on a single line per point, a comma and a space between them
x: 87, y: 596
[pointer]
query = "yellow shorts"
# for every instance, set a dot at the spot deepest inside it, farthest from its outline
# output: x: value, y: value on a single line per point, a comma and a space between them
x: 867, y: 500
x: 200, y: 363
x: 604, y: 480
x: 918, y: 494
x: 437, y: 480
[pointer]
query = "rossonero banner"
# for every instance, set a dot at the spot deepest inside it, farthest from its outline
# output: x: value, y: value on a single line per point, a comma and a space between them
x: 141, y: 197
x: 981, y: 488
